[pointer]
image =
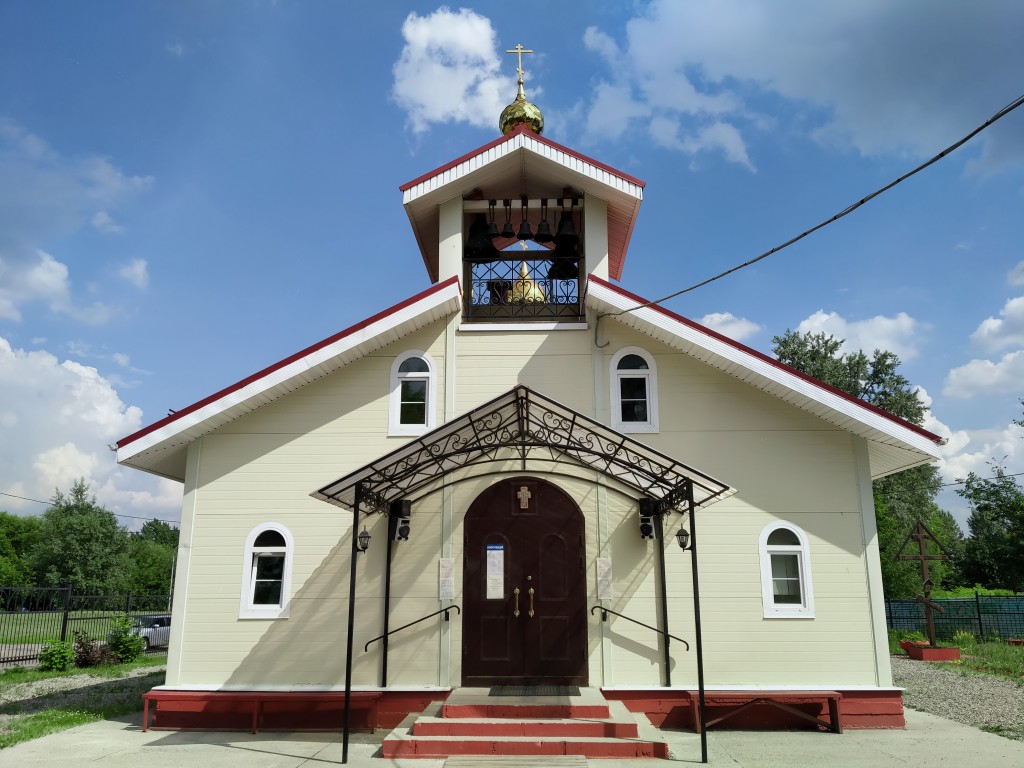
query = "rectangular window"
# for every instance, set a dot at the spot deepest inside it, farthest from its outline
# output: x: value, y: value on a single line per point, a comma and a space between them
x: 413, y: 405
x: 633, y: 399
x: 267, y: 578
x: 786, y: 579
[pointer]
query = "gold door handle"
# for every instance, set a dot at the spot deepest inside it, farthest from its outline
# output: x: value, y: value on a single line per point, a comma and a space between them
x: 531, y: 602
x: 516, y: 611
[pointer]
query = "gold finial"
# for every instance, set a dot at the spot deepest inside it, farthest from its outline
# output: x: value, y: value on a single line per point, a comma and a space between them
x: 520, y: 111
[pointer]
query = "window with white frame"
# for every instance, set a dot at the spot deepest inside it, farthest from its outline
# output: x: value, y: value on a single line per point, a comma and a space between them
x: 267, y: 573
x: 786, y: 572
x: 634, y: 391
x: 413, y: 394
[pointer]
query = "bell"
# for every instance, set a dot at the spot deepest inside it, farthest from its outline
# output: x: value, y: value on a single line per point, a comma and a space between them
x: 524, y: 233
x: 566, y: 234
x: 479, y: 248
x: 543, y: 229
x: 492, y: 228
x: 506, y: 231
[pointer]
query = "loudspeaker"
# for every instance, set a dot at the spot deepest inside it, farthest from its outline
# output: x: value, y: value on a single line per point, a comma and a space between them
x: 648, y: 511
x: 398, y: 520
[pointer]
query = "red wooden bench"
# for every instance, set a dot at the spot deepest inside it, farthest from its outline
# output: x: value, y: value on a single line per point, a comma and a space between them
x: 783, y: 700
x: 252, y: 702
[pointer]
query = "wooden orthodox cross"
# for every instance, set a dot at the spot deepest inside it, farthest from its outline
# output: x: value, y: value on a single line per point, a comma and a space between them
x: 922, y: 535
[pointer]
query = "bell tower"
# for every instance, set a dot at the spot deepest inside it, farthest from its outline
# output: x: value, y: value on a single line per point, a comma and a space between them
x: 522, y: 221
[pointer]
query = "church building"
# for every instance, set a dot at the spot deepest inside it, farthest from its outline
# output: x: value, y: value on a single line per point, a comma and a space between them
x: 526, y: 478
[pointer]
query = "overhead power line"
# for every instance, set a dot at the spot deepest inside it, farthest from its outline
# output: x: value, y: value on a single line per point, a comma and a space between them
x: 115, y: 514
x: 849, y: 209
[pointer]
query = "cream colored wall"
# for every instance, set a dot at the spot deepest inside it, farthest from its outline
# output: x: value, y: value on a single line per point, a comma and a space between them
x: 784, y: 464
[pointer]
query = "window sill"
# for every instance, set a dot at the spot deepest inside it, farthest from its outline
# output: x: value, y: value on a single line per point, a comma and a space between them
x: 264, y: 613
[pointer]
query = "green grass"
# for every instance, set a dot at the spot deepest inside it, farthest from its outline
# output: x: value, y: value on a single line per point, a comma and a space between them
x: 109, y: 693
x: 999, y: 659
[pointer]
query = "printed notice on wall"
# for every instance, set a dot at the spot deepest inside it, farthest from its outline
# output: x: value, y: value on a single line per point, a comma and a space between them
x: 604, y: 578
x: 446, y: 582
x: 495, y: 571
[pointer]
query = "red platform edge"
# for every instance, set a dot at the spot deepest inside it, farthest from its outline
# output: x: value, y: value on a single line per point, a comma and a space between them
x: 870, y: 709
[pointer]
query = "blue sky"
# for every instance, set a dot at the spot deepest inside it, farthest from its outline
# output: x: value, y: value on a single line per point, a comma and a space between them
x: 190, y: 191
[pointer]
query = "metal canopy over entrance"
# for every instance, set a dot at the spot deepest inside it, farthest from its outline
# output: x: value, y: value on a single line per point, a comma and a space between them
x: 522, y: 424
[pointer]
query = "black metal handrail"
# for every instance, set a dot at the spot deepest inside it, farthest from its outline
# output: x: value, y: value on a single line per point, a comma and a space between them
x: 604, y: 617
x: 406, y: 626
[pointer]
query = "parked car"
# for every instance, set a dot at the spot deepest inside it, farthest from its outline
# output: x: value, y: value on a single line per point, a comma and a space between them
x: 155, y: 629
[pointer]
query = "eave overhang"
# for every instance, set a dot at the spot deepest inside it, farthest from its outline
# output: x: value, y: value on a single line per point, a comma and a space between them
x: 893, y: 443
x: 527, y: 427
x: 523, y: 163
x: 161, y: 447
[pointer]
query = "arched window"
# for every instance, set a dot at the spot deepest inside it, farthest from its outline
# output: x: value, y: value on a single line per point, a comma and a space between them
x: 413, y: 394
x: 786, y: 572
x: 634, y: 391
x: 267, y: 573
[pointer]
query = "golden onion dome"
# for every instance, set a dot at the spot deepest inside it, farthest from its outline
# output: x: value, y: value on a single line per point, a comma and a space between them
x: 520, y: 111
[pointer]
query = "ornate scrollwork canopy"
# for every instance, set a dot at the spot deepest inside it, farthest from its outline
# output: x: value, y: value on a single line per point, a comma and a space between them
x: 522, y: 425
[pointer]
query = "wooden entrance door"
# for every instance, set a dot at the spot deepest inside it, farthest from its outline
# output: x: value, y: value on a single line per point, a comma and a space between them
x: 524, y: 589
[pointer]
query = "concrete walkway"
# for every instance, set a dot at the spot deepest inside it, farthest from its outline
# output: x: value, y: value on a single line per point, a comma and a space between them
x: 120, y: 743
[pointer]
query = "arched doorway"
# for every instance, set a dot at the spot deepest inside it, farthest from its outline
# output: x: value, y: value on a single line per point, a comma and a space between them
x: 524, y: 587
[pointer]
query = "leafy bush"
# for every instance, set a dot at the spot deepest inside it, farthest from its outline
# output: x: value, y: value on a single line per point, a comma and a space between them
x: 969, y: 592
x: 56, y: 656
x: 963, y: 639
x: 89, y: 653
x: 123, y: 643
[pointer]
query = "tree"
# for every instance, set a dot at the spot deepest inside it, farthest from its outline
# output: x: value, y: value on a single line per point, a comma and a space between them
x: 994, y: 555
x: 82, y: 544
x: 902, y: 498
x: 152, y: 549
x: 18, y: 536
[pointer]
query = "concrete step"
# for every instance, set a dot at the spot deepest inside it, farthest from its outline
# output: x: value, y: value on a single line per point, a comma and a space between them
x: 478, y: 703
x: 516, y: 761
x: 403, y: 742
x: 620, y: 724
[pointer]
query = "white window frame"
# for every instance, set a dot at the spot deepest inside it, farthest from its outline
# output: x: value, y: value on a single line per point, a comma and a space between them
x: 395, y: 427
x: 249, y: 610
x: 773, y: 610
x: 651, y: 375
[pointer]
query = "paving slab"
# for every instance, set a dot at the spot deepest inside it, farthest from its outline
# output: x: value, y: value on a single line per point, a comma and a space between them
x: 120, y: 743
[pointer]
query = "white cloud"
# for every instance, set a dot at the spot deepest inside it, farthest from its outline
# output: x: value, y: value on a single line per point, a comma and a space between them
x: 899, y: 334
x: 104, y: 222
x: 1007, y: 330
x: 44, y: 196
x: 1016, y: 276
x: 56, y: 422
x: 727, y: 324
x: 136, y: 272
x: 986, y: 377
x: 449, y: 71
x: 880, y: 77
x: 175, y: 49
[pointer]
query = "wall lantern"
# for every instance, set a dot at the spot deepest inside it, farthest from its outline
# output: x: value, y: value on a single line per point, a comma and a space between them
x: 683, y: 537
x: 363, y: 540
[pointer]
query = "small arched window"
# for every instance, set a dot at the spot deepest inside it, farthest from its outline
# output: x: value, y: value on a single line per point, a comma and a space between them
x: 634, y: 391
x: 786, y: 572
x: 267, y: 573
x: 413, y: 394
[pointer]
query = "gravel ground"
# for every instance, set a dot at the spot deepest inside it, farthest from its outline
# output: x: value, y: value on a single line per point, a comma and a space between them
x: 983, y: 701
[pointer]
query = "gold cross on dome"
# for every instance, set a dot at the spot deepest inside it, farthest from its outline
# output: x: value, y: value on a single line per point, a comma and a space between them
x: 524, y: 497
x: 519, y: 51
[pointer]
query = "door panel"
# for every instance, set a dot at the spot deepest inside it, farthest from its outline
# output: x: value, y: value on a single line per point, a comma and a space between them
x: 538, y: 637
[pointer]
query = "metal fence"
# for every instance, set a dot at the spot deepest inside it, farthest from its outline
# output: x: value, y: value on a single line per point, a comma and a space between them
x: 983, y: 617
x: 32, y: 616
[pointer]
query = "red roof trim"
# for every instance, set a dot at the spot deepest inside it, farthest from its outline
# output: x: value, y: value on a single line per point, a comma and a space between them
x: 508, y: 137
x: 282, y: 363
x: 772, y: 361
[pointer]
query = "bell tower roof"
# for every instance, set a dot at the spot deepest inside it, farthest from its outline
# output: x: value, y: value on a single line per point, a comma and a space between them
x: 521, y: 111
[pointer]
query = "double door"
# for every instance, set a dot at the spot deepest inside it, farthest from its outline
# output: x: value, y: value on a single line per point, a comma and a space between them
x: 524, y: 590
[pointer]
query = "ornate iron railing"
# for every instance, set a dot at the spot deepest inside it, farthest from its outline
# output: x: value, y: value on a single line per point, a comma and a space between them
x: 537, y: 286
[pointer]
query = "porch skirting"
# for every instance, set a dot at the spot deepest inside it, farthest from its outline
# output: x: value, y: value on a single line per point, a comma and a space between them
x: 324, y: 710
